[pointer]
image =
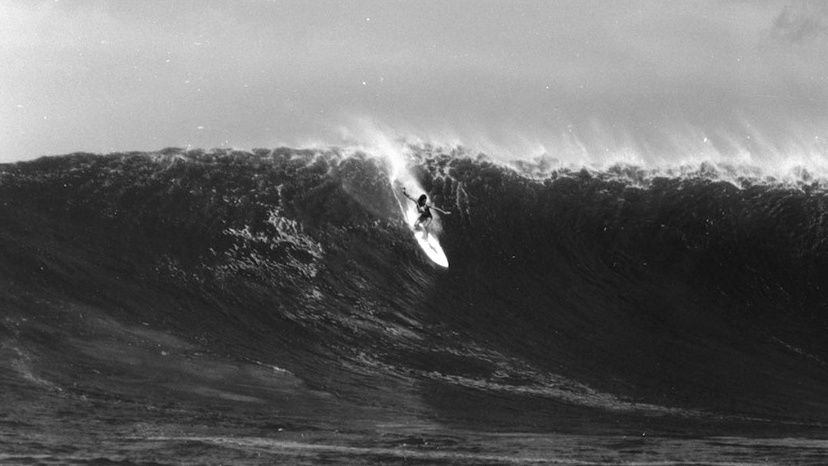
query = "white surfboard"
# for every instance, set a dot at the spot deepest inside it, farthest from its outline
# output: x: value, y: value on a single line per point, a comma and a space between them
x: 431, y: 246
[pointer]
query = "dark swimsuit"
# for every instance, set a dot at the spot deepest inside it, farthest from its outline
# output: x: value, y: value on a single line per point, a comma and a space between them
x: 424, y: 211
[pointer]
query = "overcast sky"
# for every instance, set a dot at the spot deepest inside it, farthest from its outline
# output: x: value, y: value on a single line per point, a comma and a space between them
x: 655, y: 79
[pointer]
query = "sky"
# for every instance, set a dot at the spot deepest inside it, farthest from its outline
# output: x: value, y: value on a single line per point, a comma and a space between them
x: 641, y: 81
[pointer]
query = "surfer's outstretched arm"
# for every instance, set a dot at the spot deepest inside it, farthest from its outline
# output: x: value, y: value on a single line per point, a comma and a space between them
x: 444, y: 212
x: 405, y: 193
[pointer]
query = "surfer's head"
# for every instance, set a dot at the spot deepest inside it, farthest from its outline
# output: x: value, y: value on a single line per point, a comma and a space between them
x: 422, y: 200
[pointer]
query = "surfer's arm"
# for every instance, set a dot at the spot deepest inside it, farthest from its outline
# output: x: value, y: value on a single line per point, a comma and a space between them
x: 439, y: 209
x: 405, y: 193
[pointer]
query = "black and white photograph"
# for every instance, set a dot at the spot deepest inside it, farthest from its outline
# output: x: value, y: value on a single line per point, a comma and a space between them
x: 387, y: 232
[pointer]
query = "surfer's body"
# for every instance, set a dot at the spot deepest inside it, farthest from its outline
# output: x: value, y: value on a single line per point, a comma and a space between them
x: 424, y: 212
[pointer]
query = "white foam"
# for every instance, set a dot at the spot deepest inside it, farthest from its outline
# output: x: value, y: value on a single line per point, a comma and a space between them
x: 796, y: 156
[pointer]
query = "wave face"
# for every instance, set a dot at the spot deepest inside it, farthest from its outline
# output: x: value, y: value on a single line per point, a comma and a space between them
x: 576, y: 295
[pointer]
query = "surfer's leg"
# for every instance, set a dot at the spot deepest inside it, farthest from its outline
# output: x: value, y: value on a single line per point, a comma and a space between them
x: 426, y: 224
x: 422, y: 223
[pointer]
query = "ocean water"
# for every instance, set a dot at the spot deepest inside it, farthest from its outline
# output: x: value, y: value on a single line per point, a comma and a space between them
x: 230, y: 307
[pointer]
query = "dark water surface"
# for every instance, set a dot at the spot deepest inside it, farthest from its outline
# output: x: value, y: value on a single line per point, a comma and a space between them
x: 237, y: 308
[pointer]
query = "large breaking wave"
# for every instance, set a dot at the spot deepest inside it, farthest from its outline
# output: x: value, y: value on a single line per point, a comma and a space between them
x: 694, y: 292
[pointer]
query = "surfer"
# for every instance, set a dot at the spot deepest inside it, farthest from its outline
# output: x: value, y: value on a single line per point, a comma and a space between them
x: 424, y: 211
